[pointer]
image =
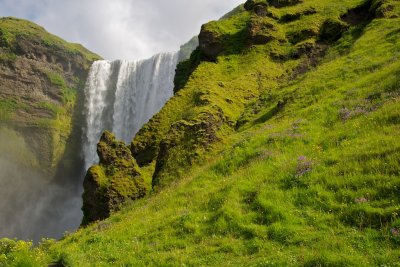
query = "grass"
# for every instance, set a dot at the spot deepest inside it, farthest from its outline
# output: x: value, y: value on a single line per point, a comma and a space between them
x: 309, y: 177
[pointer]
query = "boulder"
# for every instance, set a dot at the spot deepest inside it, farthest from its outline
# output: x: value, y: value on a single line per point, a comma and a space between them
x: 260, y: 31
x: 210, y: 42
x: 249, y: 5
x: 260, y: 10
x: 111, y: 183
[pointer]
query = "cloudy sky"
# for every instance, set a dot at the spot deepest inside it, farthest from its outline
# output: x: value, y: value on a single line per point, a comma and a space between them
x: 121, y: 29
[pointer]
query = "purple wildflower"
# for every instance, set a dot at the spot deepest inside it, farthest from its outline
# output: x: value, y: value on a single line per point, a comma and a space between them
x: 304, y: 166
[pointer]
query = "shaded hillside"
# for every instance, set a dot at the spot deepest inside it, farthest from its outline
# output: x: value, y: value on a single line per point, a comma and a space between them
x: 280, y: 148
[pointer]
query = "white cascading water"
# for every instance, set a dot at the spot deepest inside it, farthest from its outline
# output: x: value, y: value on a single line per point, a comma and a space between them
x: 121, y: 96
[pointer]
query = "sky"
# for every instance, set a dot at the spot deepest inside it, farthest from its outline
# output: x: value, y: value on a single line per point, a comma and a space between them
x: 121, y: 29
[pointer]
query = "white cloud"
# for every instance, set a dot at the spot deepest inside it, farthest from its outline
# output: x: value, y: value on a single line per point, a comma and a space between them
x: 128, y: 29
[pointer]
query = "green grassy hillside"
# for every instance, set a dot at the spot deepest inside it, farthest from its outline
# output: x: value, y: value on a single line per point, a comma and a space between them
x: 279, y: 149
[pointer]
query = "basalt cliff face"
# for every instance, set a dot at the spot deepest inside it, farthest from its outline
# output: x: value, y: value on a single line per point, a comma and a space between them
x: 41, y: 84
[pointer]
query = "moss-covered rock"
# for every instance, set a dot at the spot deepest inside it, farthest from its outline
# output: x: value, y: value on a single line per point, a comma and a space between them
x: 283, y: 3
x: 296, y: 15
x: 210, y: 42
x: 115, y: 180
x: 185, y: 68
x: 332, y: 30
x: 385, y: 8
x: 184, y: 142
x: 250, y: 51
x: 262, y: 30
x: 260, y: 10
x: 249, y: 5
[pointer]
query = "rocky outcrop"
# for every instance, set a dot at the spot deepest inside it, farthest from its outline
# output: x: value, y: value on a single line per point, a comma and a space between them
x: 292, y: 16
x: 210, y: 42
x: 283, y: 3
x: 384, y: 9
x: 251, y: 4
x: 261, y: 30
x: 111, y: 183
x: 332, y: 30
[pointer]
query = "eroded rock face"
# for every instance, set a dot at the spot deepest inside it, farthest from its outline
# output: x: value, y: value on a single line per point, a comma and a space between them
x: 115, y: 180
x: 42, y: 76
x: 249, y: 5
x: 259, y: 31
x: 34, y: 48
x: 261, y: 10
x: 283, y: 3
x: 210, y: 43
x: 262, y: 30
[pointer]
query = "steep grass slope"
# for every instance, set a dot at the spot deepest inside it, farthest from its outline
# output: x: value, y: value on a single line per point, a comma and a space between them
x: 279, y: 152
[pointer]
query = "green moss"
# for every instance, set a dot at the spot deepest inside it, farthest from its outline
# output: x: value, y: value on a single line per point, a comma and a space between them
x: 56, y: 79
x: 99, y: 176
x: 304, y: 170
x: 283, y: 3
x: 54, y: 108
x: 116, y: 180
x: 8, y: 107
x: 11, y: 28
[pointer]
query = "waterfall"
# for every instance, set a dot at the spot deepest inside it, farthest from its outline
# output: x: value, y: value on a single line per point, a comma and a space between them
x: 121, y: 96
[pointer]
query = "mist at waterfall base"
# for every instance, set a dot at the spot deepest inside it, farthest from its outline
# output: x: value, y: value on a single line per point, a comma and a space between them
x: 32, y: 204
x: 120, y: 96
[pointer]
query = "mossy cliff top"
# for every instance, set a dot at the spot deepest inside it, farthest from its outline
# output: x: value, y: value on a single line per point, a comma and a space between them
x: 14, y: 30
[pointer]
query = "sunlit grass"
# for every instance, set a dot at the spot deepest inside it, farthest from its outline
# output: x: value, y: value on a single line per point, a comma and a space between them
x: 315, y: 183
